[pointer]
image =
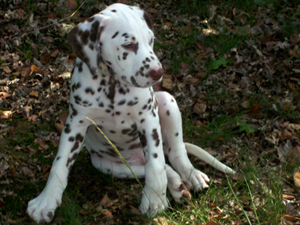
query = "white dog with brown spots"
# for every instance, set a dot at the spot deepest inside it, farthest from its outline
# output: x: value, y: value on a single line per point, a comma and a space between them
x: 112, y: 85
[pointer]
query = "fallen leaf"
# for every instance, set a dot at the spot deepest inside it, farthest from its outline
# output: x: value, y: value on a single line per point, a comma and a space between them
x: 297, y: 179
x: 135, y: 210
x: 4, y: 95
x: 34, y: 68
x: 199, y: 75
x: 71, y: 4
x: 293, y: 156
x: 54, y: 53
x: 290, y: 218
x: 245, y: 104
x: 34, y: 94
x: 63, y: 117
x: 200, y: 108
x: 32, y: 118
x: 234, y: 86
x: 2, y: 203
x: 107, y: 213
x: 6, y: 69
x: 27, y: 172
x: 105, y: 201
x: 184, y: 65
x: 167, y: 26
x: 288, y: 197
x: 44, y: 59
x: 26, y: 110
x: 3, y: 167
x: 286, y: 105
x: 293, y: 53
x: 12, y: 170
x: 59, y: 127
x: 192, y: 80
x: 294, y: 38
x: 161, y: 220
x: 255, y: 110
x: 285, y: 134
x: 6, y: 115
x: 168, y: 83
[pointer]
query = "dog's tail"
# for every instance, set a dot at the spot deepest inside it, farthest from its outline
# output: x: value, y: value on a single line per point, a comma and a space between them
x: 208, y: 158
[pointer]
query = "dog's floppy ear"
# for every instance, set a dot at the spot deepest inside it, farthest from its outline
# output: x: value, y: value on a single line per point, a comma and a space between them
x: 148, y: 20
x: 84, y: 40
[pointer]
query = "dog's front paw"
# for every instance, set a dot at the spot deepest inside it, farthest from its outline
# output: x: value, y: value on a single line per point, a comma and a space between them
x: 42, y: 208
x: 153, y: 202
x: 196, y: 179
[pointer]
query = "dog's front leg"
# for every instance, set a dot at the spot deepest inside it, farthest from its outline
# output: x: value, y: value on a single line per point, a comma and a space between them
x: 42, y: 208
x: 154, y: 194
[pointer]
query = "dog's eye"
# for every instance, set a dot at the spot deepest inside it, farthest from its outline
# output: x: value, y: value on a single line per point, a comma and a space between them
x: 128, y: 46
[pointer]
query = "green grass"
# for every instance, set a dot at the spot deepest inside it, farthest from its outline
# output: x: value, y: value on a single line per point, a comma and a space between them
x: 254, y: 196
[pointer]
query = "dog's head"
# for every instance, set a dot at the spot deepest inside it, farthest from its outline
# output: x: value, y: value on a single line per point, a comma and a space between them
x: 119, y: 38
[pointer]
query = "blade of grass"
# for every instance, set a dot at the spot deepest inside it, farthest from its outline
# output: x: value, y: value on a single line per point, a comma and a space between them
x: 254, y: 208
x: 117, y: 151
x: 238, y: 202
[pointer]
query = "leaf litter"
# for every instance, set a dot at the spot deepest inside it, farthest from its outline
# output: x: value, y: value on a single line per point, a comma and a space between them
x: 256, y: 80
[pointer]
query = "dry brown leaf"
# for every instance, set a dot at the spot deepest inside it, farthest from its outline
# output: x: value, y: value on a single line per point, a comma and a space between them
x: 6, y: 114
x: 105, y: 201
x: 285, y: 134
x: 63, y: 117
x: 200, y: 108
x: 293, y: 52
x: 59, y: 127
x: 288, y: 197
x: 44, y: 59
x: 54, y: 53
x: 286, y: 105
x: 12, y: 170
x: 245, y: 104
x: 25, y: 71
x: 167, y: 83
x: 46, y: 170
x: 6, y: 69
x: 34, y: 68
x: 107, y: 213
x: 32, y: 118
x: 192, y: 80
x: 26, y: 110
x: 34, y: 94
x: 135, y: 210
x: 290, y: 218
x: 167, y: 26
x: 184, y: 65
x: 297, y: 179
x: 20, y: 12
x: 294, y: 38
x: 234, y: 86
x: 293, y: 156
x: 255, y: 110
x: 27, y: 172
x: 4, y: 95
x: 71, y: 4
x: 161, y: 220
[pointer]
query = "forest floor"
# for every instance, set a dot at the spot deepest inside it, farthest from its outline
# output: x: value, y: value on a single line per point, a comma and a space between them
x: 234, y: 69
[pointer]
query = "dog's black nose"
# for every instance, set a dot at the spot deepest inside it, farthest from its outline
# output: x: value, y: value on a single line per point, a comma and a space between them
x: 155, y: 74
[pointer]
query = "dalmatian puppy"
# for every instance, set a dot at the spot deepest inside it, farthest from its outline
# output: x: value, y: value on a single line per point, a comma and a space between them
x: 111, y: 85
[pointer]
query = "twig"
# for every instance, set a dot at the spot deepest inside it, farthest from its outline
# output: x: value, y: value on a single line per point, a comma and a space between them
x: 61, y: 20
